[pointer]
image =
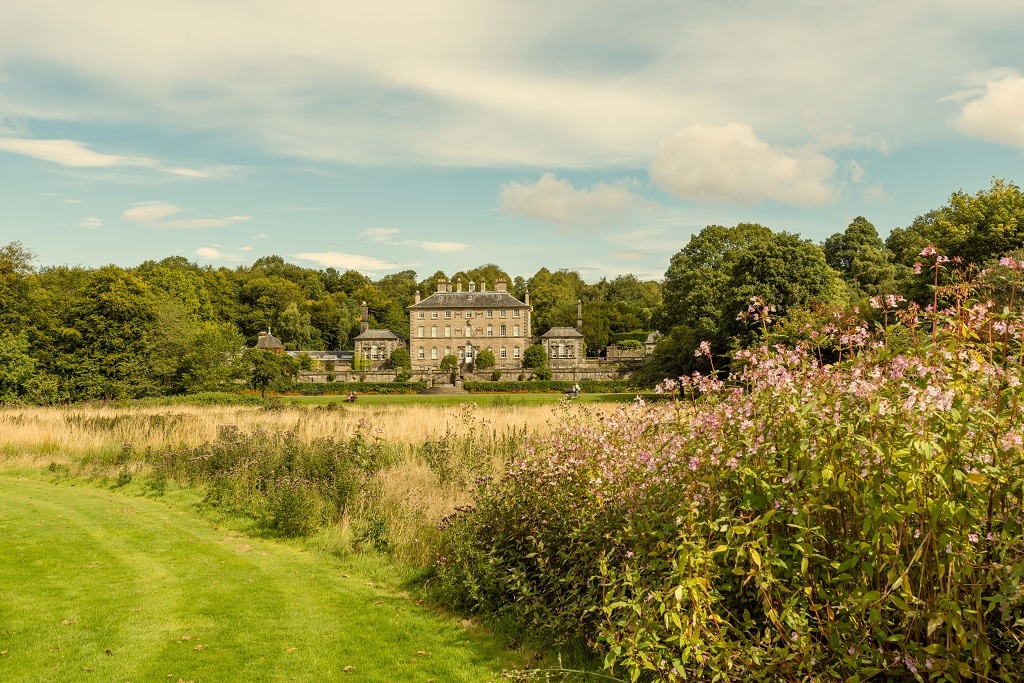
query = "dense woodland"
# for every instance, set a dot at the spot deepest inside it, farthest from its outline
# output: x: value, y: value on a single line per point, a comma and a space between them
x: 172, y: 326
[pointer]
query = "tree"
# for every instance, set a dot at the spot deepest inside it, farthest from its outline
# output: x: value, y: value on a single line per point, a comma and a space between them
x: 842, y: 247
x: 535, y: 357
x: 214, y: 358
x: 16, y: 285
x: 450, y: 363
x: 295, y: 329
x: 484, y: 360
x: 269, y: 370
x: 400, y: 359
x: 861, y: 257
x: 17, y: 367
x: 711, y: 280
x: 978, y: 228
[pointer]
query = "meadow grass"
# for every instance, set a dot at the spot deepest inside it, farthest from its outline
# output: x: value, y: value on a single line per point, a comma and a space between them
x: 111, y: 587
x: 94, y: 430
x: 498, y: 400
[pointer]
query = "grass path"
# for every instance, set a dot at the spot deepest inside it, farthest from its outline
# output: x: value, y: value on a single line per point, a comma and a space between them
x: 97, y: 585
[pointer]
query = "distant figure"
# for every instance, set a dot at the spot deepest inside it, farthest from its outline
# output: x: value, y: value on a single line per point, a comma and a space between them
x: 351, y: 397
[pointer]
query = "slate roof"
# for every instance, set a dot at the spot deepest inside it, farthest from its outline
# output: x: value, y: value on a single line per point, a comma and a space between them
x: 562, y: 332
x: 377, y: 334
x: 269, y: 341
x: 470, y: 300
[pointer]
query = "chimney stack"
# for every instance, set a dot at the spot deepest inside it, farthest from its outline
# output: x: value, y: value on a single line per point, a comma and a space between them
x: 417, y: 296
x: 472, y: 286
x: 500, y: 286
x: 483, y: 285
x: 458, y: 285
x: 441, y: 286
x: 579, y: 316
x: 364, y: 323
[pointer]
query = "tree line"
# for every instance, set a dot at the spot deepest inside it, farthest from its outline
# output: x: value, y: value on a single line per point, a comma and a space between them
x: 173, y: 326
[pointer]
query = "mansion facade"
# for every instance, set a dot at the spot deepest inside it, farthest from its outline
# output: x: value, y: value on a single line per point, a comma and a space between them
x: 463, y: 322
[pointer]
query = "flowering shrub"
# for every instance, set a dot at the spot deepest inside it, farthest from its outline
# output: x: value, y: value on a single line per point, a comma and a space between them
x: 796, y: 521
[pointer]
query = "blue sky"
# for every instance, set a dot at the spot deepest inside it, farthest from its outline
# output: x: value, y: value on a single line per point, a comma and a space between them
x: 596, y: 136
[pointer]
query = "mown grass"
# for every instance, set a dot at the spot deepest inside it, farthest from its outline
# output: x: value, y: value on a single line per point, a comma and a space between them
x: 105, y: 586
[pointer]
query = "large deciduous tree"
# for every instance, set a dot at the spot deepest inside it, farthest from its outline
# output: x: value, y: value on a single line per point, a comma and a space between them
x: 977, y: 227
x: 713, y: 279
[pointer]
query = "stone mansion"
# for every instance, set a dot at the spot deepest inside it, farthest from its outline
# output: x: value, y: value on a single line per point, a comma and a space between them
x: 463, y: 323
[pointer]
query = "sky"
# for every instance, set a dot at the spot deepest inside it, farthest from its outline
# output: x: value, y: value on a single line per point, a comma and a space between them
x: 595, y: 136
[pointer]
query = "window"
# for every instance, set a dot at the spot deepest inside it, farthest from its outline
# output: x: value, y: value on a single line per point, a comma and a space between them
x: 515, y: 330
x: 433, y: 315
x: 447, y: 350
x: 469, y: 331
x: 504, y: 353
x: 501, y: 313
x: 490, y: 312
x: 490, y: 330
x: 433, y: 353
x: 447, y: 315
x: 561, y: 350
x: 503, y: 331
x: 420, y: 315
x: 421, y: 329
x: 447, y: 330
x: 469, y: 314
x: 433, y: 330
x: 515, y: 313
x: 515, y: 352
x: 420, y: 354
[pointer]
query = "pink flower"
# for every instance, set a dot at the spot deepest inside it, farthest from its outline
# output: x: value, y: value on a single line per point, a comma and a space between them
x: 930, y: 250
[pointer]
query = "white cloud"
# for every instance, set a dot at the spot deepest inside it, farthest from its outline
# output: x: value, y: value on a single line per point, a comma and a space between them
x: 69, y: 153
x: 630, y: 254
x: 998, y: 115
x: 74, y: 154
x: 91, y: 222
x: 189, y: 172
x: 333, y: 259
x: 215, y: 254
x: 152, y: 214
x: 876, y: 193
x: 468, y: 83
x: 192, y: 223
x: 857, y: 172
x: 379, y: 234
x: 244, y: 249
x: 730, y: 164
x: 462, y: 82
x: 556, y: 201
x: 439, y: 247
x: 72, y: 201
x: 146, y: 212
x: 259, y: 236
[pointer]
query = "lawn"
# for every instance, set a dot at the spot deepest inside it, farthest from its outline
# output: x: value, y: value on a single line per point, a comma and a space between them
x: 496, y: 400
x: 98, y: 585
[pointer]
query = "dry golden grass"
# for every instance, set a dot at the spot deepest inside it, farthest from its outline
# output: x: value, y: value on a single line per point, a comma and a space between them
x: 66, y: 433
x: 409, y: 496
